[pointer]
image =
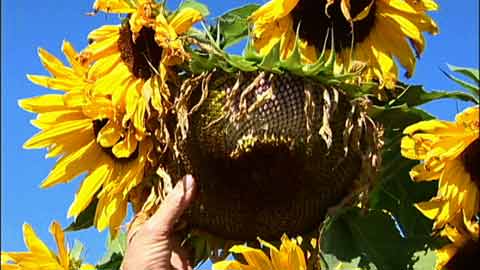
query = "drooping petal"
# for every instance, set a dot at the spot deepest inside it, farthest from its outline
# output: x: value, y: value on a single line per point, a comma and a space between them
x: 185, y: 19
x: 57, y: 232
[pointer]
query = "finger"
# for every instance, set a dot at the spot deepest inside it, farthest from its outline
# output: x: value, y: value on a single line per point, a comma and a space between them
x: 172, y: 207
x: 179, y: 260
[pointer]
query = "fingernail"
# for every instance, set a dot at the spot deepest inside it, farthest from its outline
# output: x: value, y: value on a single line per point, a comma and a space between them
x: 189, y: 182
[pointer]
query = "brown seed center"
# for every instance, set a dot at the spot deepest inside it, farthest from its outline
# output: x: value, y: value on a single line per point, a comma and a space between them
x: 141, y: 56
x: 315, y: 24
x: 471, y: 161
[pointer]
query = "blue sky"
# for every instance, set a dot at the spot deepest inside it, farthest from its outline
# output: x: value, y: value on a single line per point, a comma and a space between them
x: 27, y: 25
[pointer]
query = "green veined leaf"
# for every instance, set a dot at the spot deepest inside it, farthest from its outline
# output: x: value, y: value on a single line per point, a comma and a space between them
x: 474, y: 89
x: 472, y: 73
x: 353, y: 239
x: 415, y: 95
x: 233, y: 25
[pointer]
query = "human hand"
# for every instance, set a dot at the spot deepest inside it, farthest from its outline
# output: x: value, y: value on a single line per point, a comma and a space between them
x: 153, y: 247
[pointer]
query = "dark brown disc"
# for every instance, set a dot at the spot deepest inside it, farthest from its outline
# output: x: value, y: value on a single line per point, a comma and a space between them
x: 267, y: 172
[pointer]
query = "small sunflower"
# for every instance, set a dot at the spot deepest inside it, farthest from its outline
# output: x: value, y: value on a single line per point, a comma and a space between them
x: 289, y: 257
x: 464, y: 249
x: 88, y: 135
x: 40, y: 256
x: 369, y: 31
x: 451, y: 153
x: 131, y: 61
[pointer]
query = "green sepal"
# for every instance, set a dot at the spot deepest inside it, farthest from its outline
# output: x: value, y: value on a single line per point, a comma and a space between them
x: 113, y: 263
x: 271, y: 61
x: 84, y: 219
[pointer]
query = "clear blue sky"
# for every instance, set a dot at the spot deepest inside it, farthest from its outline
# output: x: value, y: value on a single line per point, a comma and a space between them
x: 27, y: 25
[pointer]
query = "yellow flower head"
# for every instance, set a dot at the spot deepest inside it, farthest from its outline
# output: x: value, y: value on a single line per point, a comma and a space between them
x: 134, y: 69
x: 449, y: 152
x: 373, y: 32
x: 40, y: 256
x: 289, y: 257
x: 88, y: 135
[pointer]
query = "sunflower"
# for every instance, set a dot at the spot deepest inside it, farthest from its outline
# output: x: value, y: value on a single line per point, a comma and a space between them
x: 368, y: 31
x: 451, y: 153
x: 130, y: 62
x: 464, y: 249
x: 40, y: 256
x: 289, y: 257
x: 88, y: 135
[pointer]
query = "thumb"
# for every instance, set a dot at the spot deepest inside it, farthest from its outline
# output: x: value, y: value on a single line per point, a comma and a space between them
x: 172, y: 206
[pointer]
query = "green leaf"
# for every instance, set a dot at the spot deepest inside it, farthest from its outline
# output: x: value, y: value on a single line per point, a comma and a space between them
x: 425, y: 260
x: 472, y: 73
x: 415, y: 95
x: 233, y: 25
x: 354, y: 238
x: 84, y: 219
x: 203, y: 9
x: 115, y: 246
x: 395, y: 191
x: 77, y: 250
x: 474, y: 89
x: 330, y: 262
x: 114, y: 262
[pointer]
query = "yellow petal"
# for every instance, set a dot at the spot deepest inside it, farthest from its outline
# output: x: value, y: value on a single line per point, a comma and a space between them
x: 40, y: 104
x: 99, y: 108
x: 73, y: 164
x: 87, y: 267
x: 57, y: 232
x: 429, y: 126
x: 184, y: 19
x: 110, y: 212
x: 104, y: 66
x: 104, y: 32
x: 109, y: 134
x: 432, y: 208
x: 273, y: 10
x: 421, y: 173
x: 126, y: 147
x: 100, y: 49
x: 72, y: 57
x: 34, y: 244
x: 54, y: 65
x: 90, y: 186
x: 231, y: 265
x: 48, y: 137
x: 133, y: 93
x: 254, y: 257
x: 63, y: 84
